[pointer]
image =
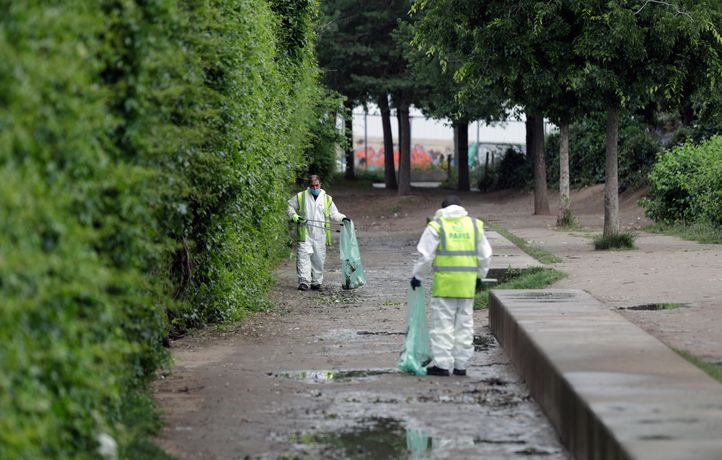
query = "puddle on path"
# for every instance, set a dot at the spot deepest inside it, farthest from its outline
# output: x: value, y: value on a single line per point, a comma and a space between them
x: 339, y: 376
x: 386, y: 437
x: 371, y: 438
x: 655, y: 306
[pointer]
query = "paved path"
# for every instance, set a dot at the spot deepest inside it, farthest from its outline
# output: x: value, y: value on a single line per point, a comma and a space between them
x: 663, y: 269
x: 316, y: 378
x: 265, y: 389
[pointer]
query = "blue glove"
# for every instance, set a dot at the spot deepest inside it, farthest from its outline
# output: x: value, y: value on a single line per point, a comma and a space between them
x: 415, y: 283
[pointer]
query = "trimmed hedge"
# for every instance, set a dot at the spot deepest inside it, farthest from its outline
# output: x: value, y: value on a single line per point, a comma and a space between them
x: 146, y: 153
x: 687, y: 185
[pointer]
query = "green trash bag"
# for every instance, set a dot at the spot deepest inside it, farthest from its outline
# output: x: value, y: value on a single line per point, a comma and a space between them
x: 417, y: 443
x: 415, y: 354
x: 352, y: 272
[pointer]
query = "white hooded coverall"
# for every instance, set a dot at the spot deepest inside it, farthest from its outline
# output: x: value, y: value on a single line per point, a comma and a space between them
x: 312, y: 252
x: 452, y: 321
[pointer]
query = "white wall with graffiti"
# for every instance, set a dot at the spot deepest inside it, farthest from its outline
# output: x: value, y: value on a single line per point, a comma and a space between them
x: 431, y: 140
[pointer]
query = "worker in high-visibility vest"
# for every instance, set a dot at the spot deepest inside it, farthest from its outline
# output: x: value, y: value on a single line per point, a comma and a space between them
x: 454, y: 246
x: 313, y: 211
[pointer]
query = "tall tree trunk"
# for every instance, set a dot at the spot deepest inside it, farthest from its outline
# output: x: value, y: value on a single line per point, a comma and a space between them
x: 455, y: 151
x: 541, y: 200
x: 611, y: 185
x: 565, y: 211
x: 389, y: 168
x: 462, y: 154
x: 348, y: 132
x: 687, y: 113
x: 404, y: 148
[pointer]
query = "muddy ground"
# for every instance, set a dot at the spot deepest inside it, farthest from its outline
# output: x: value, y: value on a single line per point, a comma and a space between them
x: 316, y: 378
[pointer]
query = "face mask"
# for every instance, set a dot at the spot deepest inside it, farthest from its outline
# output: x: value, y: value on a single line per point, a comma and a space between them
x: 315, y: 191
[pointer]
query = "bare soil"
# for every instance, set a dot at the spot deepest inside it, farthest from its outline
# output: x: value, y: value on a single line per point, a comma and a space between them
x: 315, y: 377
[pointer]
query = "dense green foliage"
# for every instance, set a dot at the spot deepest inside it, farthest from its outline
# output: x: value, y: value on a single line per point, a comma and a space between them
x: 638, y: 147
x: 530, y: 278
x: 697, y: 231
x: 146, y: 152
x: 515, y: 170
x: 567, y: 58
x: 536, y: 252
x: 325, y: 138
x: 687, y: 185
x: 714, y: 370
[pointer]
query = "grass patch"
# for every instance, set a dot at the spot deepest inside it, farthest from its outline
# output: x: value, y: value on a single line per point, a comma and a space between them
x: 536, y: 252
x: 656, y: 306
x: 622, y: 240
x: 582, y: 234
x: 567, y: 222
x: 700, y: 232
x: 531, y: 278
x: 714, y: 370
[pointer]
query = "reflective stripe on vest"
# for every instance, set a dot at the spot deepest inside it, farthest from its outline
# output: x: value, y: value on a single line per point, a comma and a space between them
x: 455, y: 264
x: 301, y: 200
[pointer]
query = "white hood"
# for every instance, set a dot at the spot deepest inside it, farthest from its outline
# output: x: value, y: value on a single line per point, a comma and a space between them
x: 451, y: 212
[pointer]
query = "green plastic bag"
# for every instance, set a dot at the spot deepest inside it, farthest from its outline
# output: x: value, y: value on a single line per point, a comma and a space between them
x: 415, y: 354
x: 352, y: 271
x: 417, y: 443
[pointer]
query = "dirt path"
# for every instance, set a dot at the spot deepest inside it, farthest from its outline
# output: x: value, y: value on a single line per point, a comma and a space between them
x: 662, y: 270
x: 315, y: 378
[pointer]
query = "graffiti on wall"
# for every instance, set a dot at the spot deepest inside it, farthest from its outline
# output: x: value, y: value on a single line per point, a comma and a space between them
x: 373, y: 159
x: 421, y: 158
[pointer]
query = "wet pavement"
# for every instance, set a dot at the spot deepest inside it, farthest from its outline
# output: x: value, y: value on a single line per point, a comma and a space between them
x: 317, y: 378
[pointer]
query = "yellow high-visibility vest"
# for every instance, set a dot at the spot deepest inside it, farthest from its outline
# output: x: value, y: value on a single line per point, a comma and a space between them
x: 301, y: 197
x: 455, y: 265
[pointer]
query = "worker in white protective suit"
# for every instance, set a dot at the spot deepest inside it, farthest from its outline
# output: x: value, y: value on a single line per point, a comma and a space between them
x: 454, y: 246
x: 313, y: 211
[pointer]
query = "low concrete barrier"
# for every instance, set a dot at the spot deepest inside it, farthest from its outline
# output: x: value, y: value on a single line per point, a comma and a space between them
x: 611, y: 390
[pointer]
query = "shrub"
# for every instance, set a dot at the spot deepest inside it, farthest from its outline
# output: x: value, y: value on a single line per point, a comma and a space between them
x: 515, y: 170
x: 325, y: 138
x: 622, y: 240
x: 486, y: 178
x: 146, y: 154
x: 80, y: 322
x: 687, y: 184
